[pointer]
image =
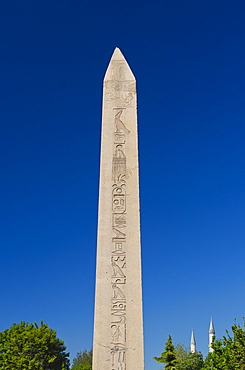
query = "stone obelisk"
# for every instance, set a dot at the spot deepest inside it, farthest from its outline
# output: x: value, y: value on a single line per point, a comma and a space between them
x: 118, y: 325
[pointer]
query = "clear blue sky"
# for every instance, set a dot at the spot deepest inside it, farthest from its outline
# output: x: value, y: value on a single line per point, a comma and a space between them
x: 189, y: 61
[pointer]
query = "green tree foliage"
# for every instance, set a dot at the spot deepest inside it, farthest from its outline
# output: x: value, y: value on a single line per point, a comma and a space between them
x: 229, y: 352
x: 28, y: 347
x: 180, y: 351
x: 168, y: 357
x: 192, y: 361
x: 83, y: 360
x: 186, y: 359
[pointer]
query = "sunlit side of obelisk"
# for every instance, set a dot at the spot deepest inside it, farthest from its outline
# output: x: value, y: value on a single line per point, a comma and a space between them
x: 118, y: 324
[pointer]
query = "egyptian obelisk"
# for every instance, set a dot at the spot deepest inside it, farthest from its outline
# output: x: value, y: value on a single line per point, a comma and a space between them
x: 118, y: 324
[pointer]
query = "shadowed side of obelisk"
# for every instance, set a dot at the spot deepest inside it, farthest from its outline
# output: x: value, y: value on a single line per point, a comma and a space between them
x: 118, y: 327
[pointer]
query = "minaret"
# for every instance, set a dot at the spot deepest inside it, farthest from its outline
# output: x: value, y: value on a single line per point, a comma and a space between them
x: 193, y: 343
x: 118, y: 323
x: 211, y: 335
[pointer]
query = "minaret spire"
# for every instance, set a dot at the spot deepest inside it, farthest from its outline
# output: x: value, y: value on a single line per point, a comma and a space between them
x: 211, y: 335
x: 193, y: 342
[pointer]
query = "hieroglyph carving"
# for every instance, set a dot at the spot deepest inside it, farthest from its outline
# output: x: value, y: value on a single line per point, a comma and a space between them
x: 118, y: 252
x: 119, y: 93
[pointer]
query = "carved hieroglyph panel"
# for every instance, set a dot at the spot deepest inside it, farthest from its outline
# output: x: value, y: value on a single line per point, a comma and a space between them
x: 119, y: 93
x: 118, y: 252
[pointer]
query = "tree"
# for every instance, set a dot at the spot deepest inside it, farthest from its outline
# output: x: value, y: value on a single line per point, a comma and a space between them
x: 228, y: 352
x: 168, y: 357
x: 83, y: 360
x: 181, y: 351
x: 28, y: 347
x: 192, y: 361
x: 186, y: 359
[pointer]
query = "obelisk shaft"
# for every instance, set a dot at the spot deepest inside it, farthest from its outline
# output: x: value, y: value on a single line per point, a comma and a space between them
x: 118, y: 326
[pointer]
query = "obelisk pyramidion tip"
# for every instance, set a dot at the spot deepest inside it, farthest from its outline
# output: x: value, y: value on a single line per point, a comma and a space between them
x: 117, y: 54
x: 118, y: 57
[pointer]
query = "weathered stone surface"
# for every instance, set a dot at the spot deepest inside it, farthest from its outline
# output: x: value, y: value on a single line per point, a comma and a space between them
x: 118, y: 326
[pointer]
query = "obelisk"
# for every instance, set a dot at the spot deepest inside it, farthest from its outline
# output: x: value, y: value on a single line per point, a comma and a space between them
x: 118, y: 324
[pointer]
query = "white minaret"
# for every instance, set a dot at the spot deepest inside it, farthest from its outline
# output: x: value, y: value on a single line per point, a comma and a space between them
x: 193, y: 343
x: 211, y: 335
